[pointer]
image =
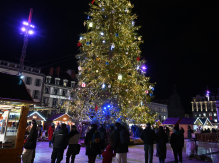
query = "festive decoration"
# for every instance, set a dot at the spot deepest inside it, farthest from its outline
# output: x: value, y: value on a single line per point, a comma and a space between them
x: 120, y: 77
x: 146, y: 91
x: 93, y: 1
x: 79, y: 44
x: 112, y: 37
x: 83, y: 85
x: 96, y: 108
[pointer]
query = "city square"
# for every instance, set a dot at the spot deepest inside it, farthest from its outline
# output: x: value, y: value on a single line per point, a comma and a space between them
x: 109, y: 81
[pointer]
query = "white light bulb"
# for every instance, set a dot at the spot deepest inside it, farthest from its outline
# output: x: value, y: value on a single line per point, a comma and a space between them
x: 81, y: 38
x: 104, y: 41
x: 101, y: 33
x: 120, y: 76
x: 91, y: 24
x: 103, y: 86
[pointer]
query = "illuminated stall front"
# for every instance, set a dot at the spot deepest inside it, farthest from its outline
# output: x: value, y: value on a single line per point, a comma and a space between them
x: 14, y: 107
x: 38, y: 117
x: 59, y: 118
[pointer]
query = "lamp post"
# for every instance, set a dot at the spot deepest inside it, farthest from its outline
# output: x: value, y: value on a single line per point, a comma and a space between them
x: 27, y: 29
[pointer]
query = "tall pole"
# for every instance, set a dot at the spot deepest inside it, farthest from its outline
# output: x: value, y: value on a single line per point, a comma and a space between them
x: 23, y: 55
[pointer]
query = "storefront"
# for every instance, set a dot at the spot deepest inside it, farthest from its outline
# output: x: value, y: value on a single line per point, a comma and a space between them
x: 207, y: 124
x: 59, y: 119
x: 14, y: 107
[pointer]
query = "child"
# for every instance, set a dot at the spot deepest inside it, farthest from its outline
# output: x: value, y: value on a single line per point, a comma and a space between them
x: 108, y: 154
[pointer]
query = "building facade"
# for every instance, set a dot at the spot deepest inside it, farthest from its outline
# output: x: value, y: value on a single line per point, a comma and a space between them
x: 160, y: 109
x: 32, y: 77
x: 204, y: 107
x: 58, y: 87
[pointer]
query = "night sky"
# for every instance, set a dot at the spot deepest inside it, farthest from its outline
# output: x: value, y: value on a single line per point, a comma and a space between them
x: 180, y: 40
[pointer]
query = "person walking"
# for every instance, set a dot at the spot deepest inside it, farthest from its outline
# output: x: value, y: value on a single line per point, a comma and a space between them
x: 177, y: 143
x: 121, y: 141
x: 148, y: 136
x: 60, y: 141
x: 40, y: 127
x: 50, y: 134
x: 161, y: 141
x: 73, y: 139
x: 189, y: 133
x: 102, y: 132
x: 92, y: 142
x: 168, y: 133
x: 30, y: 144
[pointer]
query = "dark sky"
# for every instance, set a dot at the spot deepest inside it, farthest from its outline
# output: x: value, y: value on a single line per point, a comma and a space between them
x: 181, y: 40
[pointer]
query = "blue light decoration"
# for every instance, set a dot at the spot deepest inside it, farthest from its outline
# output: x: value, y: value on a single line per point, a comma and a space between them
x: 81, y: 38
x: 117, y: 34
x: 87, y: 43
x: 103, y: 86
x: 105, y: 108
x: 151, y: 94
x: 88, y: 17
x: 108, y: 106
x: 107, y: 63
x: 112, y: 46
x: 133, y: 23
x: 207, y: 94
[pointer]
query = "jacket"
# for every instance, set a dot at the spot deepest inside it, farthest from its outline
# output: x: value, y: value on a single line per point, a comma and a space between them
x: 117, y: 146
x: 59, y: 139
x: 177, y: 140
x: 102, y: 132
x: 50, y: 133
x: 148, y: 136
x: 108, y: 155
x: 31, y: 140
x: 73, y: 137
x: 92, y: 142
x: 161, y: 141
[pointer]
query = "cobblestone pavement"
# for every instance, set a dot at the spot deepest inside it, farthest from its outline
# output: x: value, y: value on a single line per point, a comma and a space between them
x: 135, y: 155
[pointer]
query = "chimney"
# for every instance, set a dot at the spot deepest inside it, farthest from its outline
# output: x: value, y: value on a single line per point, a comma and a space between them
x: 51, y: 71
x: 57, y: 71
x: 73, y: 74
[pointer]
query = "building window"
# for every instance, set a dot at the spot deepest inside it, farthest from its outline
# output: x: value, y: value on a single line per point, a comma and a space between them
x: 73, y: 84
x: 57, y: 80
x: 47, y: 89
x: 36, y: 94
x: 48, y: 79
x: 54, y: 102
x: 210, y: 114
x: 65, y: 82
x: 215, y: 114
x: 45, y: 100
x: 164, y: 110
x: 204, y: 114
x: 195, y: 115
x: 64, y: 92
x: 38, y: 82
x: 55, y: 91
x: 215, y: 120
x: 28, y: 80
x: 200, y: 115
x: 164, y: 117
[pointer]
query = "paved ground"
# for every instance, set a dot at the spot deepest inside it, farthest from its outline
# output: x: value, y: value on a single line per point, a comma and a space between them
x: 135, y: 155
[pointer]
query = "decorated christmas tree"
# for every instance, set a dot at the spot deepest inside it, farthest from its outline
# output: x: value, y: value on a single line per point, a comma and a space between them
x: 112, y: 83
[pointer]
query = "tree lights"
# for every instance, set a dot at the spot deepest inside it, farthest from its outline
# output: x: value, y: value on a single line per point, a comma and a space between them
x: 114, y: 51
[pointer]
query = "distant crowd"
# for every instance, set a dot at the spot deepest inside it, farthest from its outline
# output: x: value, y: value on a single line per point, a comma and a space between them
x: 116, y: 141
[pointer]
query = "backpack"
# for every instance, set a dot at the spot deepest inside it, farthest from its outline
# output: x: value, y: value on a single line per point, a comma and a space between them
x: 124, y: 136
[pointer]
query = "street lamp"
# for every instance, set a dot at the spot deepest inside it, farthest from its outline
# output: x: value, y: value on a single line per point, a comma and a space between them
x: 27, y: 29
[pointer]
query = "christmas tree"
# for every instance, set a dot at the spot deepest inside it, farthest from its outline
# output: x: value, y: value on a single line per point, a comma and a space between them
x: 110, y: 66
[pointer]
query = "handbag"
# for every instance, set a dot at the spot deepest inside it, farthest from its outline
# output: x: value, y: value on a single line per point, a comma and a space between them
x: 78, y: 148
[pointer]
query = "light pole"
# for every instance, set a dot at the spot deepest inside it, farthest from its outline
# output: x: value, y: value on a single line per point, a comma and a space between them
x: 27, y: 29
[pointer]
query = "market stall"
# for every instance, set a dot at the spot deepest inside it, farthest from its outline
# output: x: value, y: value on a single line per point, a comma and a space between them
x: 194, y: 123
x: 14, y: 107
x: 38, y: 117
x: 171, y: 122
x: 59, y: 119
x: 207, y: 124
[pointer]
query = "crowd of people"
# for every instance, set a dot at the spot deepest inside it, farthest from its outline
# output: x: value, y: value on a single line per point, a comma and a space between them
x: 116, y: 141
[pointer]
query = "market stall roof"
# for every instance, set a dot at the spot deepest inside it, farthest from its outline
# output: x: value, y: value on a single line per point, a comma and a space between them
x: 191, y: 121
x: 35, y: 115
x: 206, y: 122
x: 171, y: 121
x: 60, y: 117
x: 13, y: 89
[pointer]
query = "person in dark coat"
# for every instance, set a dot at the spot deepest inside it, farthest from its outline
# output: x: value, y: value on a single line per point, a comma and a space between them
x: 111, y: 135
x: 60, y: 141
x: 189, y: 132
x: 168, y: 133
x: 92, y: 142
x: 121, y: 149
x: 30, y: 144
x: 73, y: 139
x: 148, y: 136
x: 102, y: 132
x: 177, y: 143
x: 161, y: 141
